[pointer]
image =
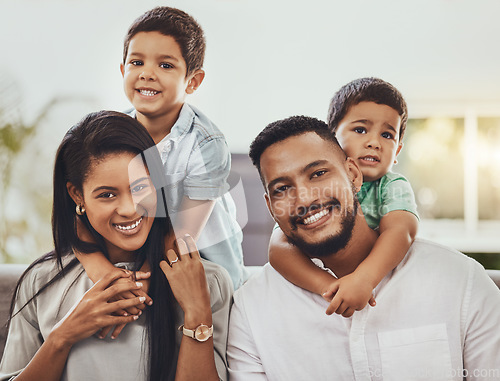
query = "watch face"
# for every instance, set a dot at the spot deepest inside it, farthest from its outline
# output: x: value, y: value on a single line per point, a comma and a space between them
x: 202, y: 333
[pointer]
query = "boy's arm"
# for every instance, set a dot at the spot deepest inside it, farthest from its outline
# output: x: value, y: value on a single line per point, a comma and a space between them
x: 397, y: 232
x: 295, y: 266
x: 192, y: 217
x: 96, y: 265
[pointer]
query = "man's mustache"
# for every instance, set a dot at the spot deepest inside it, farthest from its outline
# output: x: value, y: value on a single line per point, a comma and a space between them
x: 303, y: 210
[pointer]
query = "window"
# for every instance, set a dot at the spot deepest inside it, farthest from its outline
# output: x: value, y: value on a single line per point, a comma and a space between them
x: 453, y: 164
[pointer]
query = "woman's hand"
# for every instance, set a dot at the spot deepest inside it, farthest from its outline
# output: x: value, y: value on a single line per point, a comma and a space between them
x: 186, y: 275
x: 132, y: 277
x: 95, y: 310
x: 100, y: 266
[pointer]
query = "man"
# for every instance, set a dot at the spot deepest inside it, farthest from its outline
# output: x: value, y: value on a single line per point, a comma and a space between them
x: 437, y: 313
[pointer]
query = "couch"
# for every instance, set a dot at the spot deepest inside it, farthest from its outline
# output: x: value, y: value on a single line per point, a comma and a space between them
x: 10, y: 273
x: 256, y: 232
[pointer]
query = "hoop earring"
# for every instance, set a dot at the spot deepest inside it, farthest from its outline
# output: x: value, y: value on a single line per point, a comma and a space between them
x: 80, y: 210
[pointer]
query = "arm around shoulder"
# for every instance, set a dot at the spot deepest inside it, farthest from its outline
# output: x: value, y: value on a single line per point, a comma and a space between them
x: 295, y: 266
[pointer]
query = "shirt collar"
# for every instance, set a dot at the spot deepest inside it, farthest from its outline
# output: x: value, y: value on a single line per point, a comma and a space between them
x: 179, y: 129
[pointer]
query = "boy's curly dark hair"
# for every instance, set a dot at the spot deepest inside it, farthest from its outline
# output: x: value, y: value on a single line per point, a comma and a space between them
x: 177, y: 24
x: 367, y: 89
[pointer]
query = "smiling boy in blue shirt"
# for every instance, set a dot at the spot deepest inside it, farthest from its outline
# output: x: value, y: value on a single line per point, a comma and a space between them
x: 162, y: 63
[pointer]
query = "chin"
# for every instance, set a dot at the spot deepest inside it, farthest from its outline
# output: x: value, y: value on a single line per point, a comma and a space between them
x: 332, y: 243
x: 130, y: 243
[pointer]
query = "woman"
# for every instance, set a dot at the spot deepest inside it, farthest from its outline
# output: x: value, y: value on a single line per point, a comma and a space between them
x: 107, y: 173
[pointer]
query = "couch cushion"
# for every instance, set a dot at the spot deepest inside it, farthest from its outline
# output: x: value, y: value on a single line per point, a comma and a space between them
x: 9, y: 274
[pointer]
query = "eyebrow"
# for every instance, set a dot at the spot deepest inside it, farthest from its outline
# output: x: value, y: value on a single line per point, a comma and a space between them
x: 107, y: 187
x: 308, y: 167
x: 104, y: 187
x: 145, y: 178
x: 314, y: 164
x: 366, y: 121
x: 162, y: 57
x: 169, y: 57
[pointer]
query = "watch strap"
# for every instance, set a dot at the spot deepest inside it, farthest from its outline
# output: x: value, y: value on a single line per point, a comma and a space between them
x: 192, y: 332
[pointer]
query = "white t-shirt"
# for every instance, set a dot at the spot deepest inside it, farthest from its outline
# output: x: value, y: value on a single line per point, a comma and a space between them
x: 436, y: 318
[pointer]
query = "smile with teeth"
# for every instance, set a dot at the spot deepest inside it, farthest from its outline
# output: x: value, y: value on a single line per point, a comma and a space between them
x: 129, y: 227
x: 148, y: 93
x: 315, y: 217
x: 370, y: 158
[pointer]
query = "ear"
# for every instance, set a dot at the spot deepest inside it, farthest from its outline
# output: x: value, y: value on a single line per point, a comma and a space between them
x: 354, y: 173
x: 398, y: 151
x: 74, y: 193
x: 195, y: 81
x: 268, y: 203
x: 122, y: 69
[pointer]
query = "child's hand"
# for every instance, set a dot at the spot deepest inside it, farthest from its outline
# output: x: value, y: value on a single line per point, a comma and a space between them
x: 95, y: 310
x: 348, y: 294
x: 140, y: 277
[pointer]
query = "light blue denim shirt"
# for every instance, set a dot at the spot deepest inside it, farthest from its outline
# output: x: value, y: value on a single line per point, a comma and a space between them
x: 197, y: 162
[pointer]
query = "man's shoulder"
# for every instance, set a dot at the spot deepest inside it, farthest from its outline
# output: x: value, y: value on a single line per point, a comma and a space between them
x: 263, y: 285
x: 434, y: 258
x: 423, y: 247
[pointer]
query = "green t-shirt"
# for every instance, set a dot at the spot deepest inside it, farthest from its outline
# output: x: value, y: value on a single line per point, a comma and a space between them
x: 390, y: 192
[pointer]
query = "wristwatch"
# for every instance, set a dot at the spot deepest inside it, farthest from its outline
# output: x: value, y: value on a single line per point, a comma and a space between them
x: 201, y: 333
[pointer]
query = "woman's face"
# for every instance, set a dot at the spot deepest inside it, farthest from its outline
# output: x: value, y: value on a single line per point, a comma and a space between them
x: 120, y: 202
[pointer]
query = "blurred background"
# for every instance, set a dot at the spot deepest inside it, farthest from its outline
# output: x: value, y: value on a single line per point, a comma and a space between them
x: 266, y: 60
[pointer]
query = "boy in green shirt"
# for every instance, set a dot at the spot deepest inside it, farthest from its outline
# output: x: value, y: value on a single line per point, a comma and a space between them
x: 368, y: 116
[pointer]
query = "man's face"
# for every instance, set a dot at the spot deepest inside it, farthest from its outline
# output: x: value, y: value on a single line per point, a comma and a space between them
x: 310, y: 192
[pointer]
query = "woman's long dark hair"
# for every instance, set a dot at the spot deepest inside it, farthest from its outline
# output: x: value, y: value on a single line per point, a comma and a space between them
x: 94, y: 137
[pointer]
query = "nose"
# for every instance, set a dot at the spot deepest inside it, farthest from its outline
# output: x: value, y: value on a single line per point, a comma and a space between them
x: 305, y: 197
x: 126, y: 206
x: 148, y: 73
x: 373, y: 141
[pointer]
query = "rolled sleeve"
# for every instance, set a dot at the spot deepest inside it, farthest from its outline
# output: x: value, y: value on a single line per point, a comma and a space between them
x: 208, y: 169
x: 397, y: 194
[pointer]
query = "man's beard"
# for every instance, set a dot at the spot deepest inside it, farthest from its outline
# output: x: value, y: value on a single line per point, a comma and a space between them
x: 334, y: 242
